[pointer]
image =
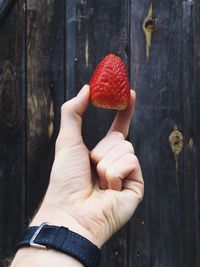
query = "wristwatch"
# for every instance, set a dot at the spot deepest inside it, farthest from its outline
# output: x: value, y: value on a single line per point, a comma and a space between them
x: 62, y: 239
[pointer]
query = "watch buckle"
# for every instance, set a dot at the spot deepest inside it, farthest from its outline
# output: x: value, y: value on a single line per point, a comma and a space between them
x: 32, y: 241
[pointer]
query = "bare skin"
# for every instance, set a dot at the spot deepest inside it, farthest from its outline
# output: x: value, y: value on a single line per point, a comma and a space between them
x: 94, y: 207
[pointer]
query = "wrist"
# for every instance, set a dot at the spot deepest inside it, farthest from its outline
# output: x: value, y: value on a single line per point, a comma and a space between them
x: 58, y: 216
x: 36, y: 257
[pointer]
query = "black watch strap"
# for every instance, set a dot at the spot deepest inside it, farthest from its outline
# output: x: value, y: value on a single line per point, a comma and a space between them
x: 63, y: 240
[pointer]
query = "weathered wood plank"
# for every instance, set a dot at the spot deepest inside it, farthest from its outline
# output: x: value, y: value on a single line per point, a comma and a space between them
x: 187, y: 173
x: 93, y: 30
x: 196, y: 123
x: 12, y: 129
x: 45, y: 92
x: 191, y: 189
x: 164, y: 232
x: 5, y: 5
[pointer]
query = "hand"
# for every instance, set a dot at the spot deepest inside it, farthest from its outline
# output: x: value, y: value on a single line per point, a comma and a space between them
x: 95, y: 207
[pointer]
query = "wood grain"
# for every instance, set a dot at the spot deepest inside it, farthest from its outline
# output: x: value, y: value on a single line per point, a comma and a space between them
x: 5, y: 6
x: 165, y: 231
x: 196, y: 122
x: 12, y: 129
x: 45, y: 91
x: 191, y: 189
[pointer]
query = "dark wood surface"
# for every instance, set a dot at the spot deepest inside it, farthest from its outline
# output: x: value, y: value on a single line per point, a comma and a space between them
x: 48, y: 50
x: 12, y: 129
x: 165, y: 230
x: 45, y: 50
x: 5, y: 6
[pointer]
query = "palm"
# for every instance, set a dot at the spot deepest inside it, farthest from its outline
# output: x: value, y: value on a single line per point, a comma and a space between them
x: 89, y: 202
x: 72, y: 168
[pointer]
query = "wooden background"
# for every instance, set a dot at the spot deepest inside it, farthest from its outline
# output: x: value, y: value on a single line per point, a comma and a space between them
x: 48, y: 50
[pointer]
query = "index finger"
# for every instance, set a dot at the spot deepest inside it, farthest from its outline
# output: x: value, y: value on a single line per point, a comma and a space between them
x: 123, y: 118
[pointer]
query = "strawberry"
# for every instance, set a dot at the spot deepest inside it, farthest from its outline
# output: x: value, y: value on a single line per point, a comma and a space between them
x: 109, y: 86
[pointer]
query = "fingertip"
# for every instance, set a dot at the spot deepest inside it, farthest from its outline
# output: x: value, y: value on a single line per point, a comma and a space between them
x: 82, y: 99
x: 133, y: 94
x: 84, y: 90
x: 131, y: 105
x: 132, y: 99
x: 76, y: 105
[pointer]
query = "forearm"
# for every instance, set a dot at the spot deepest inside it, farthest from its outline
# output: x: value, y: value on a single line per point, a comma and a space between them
x: 44, y: 258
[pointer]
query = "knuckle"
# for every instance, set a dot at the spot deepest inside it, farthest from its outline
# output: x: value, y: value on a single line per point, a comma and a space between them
x: 111, y: 174
x: 133, y: 158
x: 100, y: 168
x: 138, y: 190
x: 95, y: 157
x: 128, y: 146
x: 118, y: 135
x: 66, y: 107
x: 141, y: 192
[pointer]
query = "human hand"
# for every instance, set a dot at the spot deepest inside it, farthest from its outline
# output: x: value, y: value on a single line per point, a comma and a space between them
x: 94, y: 207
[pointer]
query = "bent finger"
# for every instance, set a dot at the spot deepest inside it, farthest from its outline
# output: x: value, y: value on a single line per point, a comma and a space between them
x: 110, y: 157
x: 126, y: 168
x: 105, y: 145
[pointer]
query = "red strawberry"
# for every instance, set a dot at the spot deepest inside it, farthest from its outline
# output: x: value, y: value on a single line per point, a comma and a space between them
x: 109, y: 86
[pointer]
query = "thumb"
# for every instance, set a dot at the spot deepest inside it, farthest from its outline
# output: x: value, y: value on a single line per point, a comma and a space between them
x: 71, y: 116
